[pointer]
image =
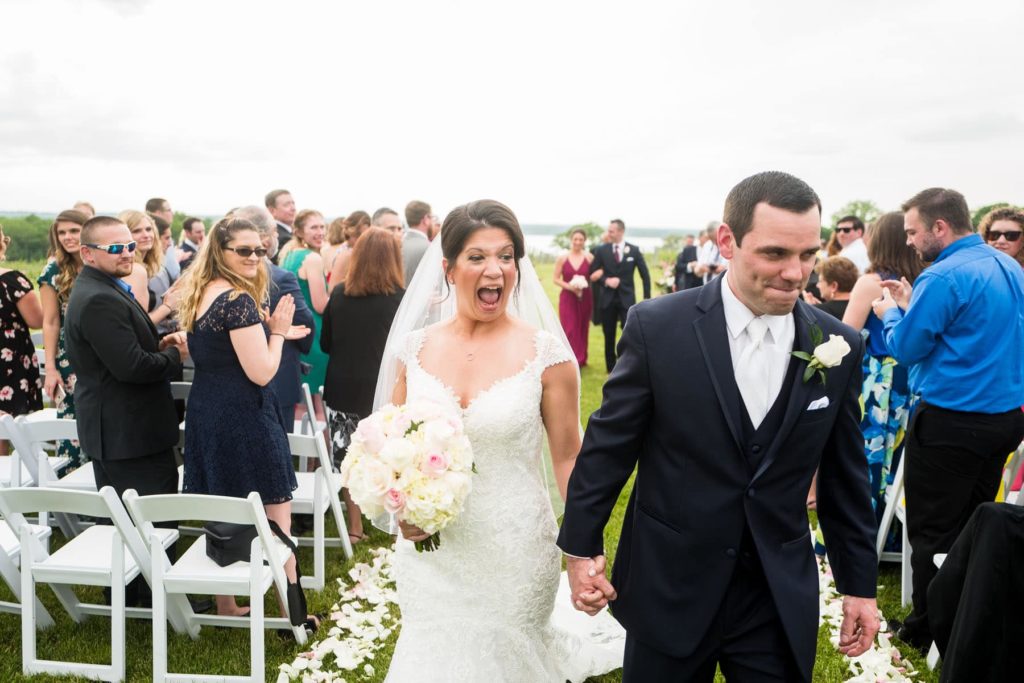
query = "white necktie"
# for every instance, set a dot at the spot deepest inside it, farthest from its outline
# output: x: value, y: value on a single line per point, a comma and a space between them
x: 752, y: 372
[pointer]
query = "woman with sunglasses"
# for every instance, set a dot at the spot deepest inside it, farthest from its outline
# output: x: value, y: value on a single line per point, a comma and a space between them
x: 55, y: 284
x: 1002, y: 228
x: 302, y: 257
x: 235, y: 438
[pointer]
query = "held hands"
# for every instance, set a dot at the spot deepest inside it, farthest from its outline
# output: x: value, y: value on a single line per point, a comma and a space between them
x: 590, y: 590
x: 860, y: 624
x: 178, y: 340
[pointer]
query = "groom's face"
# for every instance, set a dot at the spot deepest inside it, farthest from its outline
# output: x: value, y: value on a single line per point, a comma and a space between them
x: 770, y: 269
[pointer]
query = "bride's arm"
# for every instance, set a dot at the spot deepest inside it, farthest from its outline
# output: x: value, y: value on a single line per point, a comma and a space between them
x: 560, y: 410
x: 398, y: 394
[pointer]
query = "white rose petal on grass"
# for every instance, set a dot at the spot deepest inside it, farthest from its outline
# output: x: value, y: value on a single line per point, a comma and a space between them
x: 831, y: 353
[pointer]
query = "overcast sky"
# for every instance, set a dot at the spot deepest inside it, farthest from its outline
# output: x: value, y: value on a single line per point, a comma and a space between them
x: 566, y: 111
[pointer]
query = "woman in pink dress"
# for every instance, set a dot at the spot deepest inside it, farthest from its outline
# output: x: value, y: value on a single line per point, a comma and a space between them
x: 572, y: 274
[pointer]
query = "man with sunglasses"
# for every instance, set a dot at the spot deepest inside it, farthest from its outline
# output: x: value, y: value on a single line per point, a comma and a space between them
x: 850, y: 235
x: 125, y: 414
x: 960, y: 329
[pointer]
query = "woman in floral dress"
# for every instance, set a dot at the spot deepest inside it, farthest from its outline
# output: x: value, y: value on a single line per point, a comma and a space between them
x: 20, y: 385
x: 55, y: 283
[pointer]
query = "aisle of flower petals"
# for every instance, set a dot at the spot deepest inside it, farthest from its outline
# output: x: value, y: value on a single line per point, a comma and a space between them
x: 883, y: 662
x: 363, y: 617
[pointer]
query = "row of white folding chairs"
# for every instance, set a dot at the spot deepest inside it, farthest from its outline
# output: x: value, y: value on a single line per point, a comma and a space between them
x: 131, y: 546
x: 317, y: 492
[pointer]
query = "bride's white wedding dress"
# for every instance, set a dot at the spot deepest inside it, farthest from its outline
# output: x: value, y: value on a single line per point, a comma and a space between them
x: 482, y: 608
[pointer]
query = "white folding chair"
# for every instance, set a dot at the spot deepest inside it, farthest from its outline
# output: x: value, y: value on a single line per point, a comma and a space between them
x: 932, y: 660
x: 316, y: 493
x: 35, y: 431
x: 11, y: 469
x: 194, y: 572
x: 180, y: 392
x: 96, y: 557
x: 308, y: 424
x: 10, y: 557
x: 896, y: 508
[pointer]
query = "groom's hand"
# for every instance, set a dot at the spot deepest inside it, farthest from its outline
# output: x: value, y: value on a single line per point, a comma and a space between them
x: 860, y: 624
x: 591, y: 590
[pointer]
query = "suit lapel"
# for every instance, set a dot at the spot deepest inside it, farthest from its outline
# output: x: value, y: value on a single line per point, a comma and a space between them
x: 800, y: 390
x: 713, y: 339
x: 137, y: 310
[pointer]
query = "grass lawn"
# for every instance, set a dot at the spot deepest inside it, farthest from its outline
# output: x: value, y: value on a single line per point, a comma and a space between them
x: 225, y: 651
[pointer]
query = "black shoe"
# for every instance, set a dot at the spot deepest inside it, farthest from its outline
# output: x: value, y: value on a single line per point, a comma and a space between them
x: 201, y: 605
x: 920, y: 642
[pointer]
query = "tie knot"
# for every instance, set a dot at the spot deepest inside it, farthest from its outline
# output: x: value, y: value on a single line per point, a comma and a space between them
x: 756, y: 329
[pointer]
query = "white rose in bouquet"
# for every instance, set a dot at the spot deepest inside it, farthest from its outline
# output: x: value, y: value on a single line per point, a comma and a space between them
x: 578, y: 282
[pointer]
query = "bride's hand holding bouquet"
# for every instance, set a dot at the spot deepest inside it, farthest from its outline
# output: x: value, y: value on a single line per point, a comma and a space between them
x: 413, y: 462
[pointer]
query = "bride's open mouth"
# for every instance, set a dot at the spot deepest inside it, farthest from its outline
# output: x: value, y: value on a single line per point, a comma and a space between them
x: 489, y: 297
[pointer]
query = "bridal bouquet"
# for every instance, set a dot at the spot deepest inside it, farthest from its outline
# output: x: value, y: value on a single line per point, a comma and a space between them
x: 413, y: 462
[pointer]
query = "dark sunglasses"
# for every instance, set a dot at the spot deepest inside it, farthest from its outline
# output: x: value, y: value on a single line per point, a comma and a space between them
x: 246, y: 252
x: 114, y: 249
x: 1010, y: 235
x: 845, y: 229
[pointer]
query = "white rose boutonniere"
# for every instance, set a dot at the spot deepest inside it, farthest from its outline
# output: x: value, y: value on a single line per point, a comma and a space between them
x: 825, y: 355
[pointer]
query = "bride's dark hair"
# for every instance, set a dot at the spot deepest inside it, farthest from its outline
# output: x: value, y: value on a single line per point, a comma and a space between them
x: 464, y: 220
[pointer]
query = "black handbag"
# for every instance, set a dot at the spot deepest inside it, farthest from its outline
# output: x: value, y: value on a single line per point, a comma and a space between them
x: 227, y: 543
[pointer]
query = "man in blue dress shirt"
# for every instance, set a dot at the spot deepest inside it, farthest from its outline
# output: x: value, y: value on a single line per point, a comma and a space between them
x: 960, y: 329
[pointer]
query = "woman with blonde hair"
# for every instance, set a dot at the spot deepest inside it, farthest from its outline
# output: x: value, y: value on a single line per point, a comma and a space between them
x: 150, y: 281
x: 1002, y: 229
x: 356, y: 224
x: 235, y: 438
x: 302, y: 257
x: 355, y: 326
x: 334, y: 244
x: 55, y: 284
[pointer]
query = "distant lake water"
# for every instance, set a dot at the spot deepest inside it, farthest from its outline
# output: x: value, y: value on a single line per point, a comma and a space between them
x: 540, y: 238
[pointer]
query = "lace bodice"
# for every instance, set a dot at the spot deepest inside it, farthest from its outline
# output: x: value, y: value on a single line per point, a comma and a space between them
x: 480, y: 607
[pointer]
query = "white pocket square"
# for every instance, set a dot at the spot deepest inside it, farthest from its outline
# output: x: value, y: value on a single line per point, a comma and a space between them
x: 818, y: 404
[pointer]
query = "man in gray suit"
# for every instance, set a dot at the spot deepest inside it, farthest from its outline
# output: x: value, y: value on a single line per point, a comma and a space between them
x: 420, y: 220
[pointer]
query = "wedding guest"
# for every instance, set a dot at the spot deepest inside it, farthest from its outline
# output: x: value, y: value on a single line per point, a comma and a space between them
x: 836, y: 278
x: 684, y: 277
x: 282, y: 207
x: 149, y: 278
x: 885, y: 394
x: 416, y: 239
x: 21, y: 388
x: 172, y: 260
x: 235, y: 438
x: 301, y: 256
x: 287, y: 383
x: 849, y: 234
x: 56, y: 283
x: 86, y: 208
x: 1002, y: 228
x: 355, y: 327
x: 959, y: 326
x: 709, y: 260
x: 832, y: 247
x: 388, y: 219
x: 572, y: 271
x: 126, y: 417
x: 356, y: 223
x: 161, y: 208
x: 334, y: 243
x: 192, y: 232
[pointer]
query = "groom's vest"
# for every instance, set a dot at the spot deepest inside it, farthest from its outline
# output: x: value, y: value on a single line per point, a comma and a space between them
x: 756, y: 443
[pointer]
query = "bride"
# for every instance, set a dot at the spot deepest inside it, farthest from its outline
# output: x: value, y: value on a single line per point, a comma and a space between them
x: 482, y: 607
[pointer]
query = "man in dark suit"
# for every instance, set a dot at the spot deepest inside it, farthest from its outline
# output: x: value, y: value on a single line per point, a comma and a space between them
x: 725, y: 429
x: 281, y: 206
x: 617, y: 261
x: 287, y: 382
x: 685, y: 279
x: 123, y: 405
x: 193, y: 232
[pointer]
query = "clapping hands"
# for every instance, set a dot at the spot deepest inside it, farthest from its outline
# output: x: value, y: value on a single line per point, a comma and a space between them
x: 893, y: 294
x: 281, y: 320
x: 591, y: 590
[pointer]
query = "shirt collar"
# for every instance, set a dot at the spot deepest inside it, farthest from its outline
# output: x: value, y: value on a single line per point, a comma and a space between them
x: 738, y: 316
x: 957, y: 245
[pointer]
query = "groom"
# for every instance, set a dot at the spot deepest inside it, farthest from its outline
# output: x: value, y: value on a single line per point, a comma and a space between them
x: 715, y: 563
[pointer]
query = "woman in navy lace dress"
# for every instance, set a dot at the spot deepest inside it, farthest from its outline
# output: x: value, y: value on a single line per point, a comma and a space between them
x: 235, y: 441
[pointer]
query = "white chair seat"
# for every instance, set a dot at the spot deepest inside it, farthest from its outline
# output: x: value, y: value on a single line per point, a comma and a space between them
x: 56, y: 462
x: 82, y: 479
x: 195, y: 572
x: 41, y: 415
x: 10, y: 543
x: 318, y: 426
x: 302, y: 497
x: 88, y: 556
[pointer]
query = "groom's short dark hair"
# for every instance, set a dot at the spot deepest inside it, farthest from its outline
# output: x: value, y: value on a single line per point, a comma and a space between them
x: 778, y: 189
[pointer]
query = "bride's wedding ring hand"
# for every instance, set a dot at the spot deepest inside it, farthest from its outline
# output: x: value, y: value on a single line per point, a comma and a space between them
x: 411, y: 532
x: 591, y: 591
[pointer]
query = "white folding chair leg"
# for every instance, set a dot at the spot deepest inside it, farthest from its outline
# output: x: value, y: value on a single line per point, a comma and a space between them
x: 256, y: 613
x: 159, y: 613
x: 319, y: 578
x: 12, y: 577
x: 28, y: 613
x: 906, y: 571
x: 933, y: 657
x: 339, y: 519
x: 117, y: 613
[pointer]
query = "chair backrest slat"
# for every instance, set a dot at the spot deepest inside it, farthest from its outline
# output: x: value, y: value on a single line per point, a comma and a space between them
x: 190, y: 506
x: 21, y: 500
x: 38, y: 431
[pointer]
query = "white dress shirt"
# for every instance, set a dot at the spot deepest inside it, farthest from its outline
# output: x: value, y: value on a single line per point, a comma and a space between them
x: 709, y: 255
x: 759, y: 378
x: 857, y: 252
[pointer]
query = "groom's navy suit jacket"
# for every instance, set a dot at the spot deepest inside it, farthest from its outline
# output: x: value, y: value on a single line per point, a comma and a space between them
x: 672, y: 409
